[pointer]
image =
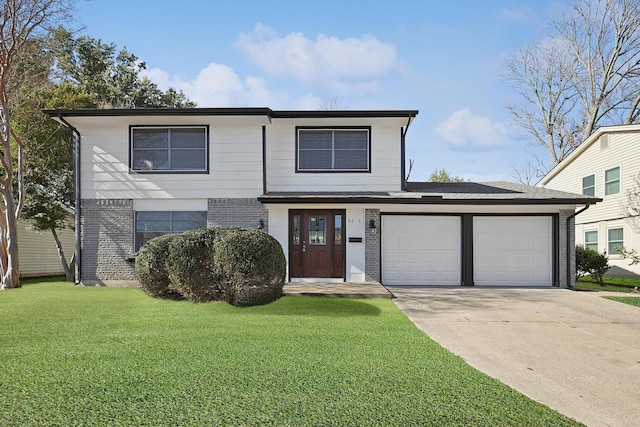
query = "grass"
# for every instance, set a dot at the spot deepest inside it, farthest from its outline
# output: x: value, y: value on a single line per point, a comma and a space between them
x: 611, y: 284
x: 627, y: 300
x: 113, y: 356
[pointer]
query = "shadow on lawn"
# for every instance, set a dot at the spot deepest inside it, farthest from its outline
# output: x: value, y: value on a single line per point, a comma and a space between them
x: 319, y: 306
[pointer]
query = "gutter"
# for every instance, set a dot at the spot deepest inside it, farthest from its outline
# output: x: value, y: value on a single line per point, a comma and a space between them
x: 568, y: 230
x: 76, y: 183
x: 403, y: 160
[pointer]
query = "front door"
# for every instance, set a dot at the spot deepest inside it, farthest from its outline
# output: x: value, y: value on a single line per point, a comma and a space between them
x: 316, y: 243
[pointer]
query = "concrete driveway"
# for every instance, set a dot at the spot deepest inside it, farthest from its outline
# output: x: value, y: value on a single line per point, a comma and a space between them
x: 575, y: 352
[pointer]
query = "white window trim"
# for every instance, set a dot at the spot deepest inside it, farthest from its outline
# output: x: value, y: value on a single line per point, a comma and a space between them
x: 609, y: 254
x: 597, y: 242
x: 604, y: 178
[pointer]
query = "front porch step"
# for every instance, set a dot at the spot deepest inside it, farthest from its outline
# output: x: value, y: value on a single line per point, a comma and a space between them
x: 337, y: 290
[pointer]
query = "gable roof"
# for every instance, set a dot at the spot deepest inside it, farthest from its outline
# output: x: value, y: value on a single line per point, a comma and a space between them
x: 479, y: 193
x: 583, y: 147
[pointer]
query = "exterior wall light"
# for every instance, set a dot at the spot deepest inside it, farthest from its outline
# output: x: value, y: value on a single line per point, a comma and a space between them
x: 372, y: 227
x: 261, y: 224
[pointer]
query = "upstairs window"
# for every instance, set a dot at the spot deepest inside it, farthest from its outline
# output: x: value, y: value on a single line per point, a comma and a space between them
x: 589, y: 185
x: 169, y: 149
x: 612, y: 181
x: 150, y: 224
x: 333, y: 150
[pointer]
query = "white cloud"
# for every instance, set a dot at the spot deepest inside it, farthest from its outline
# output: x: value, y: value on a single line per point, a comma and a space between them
x: 218, y: 85
x: 464, y: 131
x: 350, y: 64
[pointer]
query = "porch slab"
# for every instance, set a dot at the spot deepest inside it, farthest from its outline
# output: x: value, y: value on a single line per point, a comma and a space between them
x: 337, y: 290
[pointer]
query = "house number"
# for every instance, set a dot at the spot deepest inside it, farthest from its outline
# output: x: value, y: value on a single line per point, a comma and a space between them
x: 354, y: 221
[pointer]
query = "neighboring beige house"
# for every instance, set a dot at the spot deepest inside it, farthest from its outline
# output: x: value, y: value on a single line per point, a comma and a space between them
x: 38, y: 252
x: 328, y: 185
x: 604, y: 166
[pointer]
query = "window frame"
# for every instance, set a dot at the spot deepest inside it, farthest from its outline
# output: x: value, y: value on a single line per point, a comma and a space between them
x: 333, y: 129
x: 586, y: 243
x: 619, y: 180
x: 171, y: 227
x: 593, y: 175
x: 609, y: 241
x: 170, y: 171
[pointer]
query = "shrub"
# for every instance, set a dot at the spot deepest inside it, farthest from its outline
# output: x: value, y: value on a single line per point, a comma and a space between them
x: 252, y: 265
x: 190, y: 265
x: 150, y: 269
x: 590, y: 262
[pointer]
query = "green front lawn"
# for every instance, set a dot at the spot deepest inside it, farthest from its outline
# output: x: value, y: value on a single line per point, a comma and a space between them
x: 612, y: 284
x: 113, y: 356
x: 627, y: 300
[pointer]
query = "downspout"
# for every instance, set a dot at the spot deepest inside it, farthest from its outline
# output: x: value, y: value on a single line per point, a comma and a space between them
x: 403, y: 134
x: 76, y: 183
x: 568, y: 230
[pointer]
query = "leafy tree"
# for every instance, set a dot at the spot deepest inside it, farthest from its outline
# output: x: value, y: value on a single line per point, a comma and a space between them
x: 584, y: 74
x: 63, y: 72
x: 21, y: 22
x: 443, y: 176
x: 590, y: 262
x: 113, y: 77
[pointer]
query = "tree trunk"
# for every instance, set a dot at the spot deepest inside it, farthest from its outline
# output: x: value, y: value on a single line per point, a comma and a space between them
x: 67, y: 268
x: 12, y: 273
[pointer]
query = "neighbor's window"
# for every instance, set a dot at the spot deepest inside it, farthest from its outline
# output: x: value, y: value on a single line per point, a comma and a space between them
x: 591, y: 240
x: 169, y: 149
x: 612, y: 181
x: 322, y: 150
x: 589, y: 185
x: 615, y: 241
x: 154, y: 224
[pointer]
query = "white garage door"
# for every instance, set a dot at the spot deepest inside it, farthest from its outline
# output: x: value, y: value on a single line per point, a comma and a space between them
x: 420, y: 250
x: 512, y: 251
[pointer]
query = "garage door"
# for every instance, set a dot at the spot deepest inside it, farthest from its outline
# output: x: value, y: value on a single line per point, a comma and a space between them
x: 420, y: 250
x: 512, y: 251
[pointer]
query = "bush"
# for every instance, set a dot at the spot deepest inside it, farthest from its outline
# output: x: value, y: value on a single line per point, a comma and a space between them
x: 252, y: 266
x: 150, y: 269
x: 190, y: 265
x: 590, y: 262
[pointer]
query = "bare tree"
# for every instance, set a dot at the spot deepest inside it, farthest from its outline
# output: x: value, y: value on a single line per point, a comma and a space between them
x: 21, y: 21
x: 585, y: 74
x: 331, y: 104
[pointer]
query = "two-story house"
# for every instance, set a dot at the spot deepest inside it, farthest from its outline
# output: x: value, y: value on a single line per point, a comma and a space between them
x: 328, y: 185
x: 604, y: 165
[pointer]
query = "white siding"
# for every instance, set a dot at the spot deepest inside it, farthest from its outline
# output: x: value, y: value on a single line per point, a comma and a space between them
x: 623, y: 151
x: 385, y: 162
x: 235, y: 164
x: 38, y: 252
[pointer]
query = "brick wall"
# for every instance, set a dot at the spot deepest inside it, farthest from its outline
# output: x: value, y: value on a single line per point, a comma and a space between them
x: 372, y: 246
x: 107, y: 240
x: 238, y: 212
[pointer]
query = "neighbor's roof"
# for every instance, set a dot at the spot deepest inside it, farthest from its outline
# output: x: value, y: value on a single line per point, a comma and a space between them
x: 583, y: 146
x: 283, y: 114
x: 480, y: 193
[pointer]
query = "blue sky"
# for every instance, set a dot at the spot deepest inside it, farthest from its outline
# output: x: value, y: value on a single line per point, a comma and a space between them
x: 443, y: 58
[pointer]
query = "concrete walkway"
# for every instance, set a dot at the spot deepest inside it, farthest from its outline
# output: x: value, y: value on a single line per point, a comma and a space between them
x: 337, y: 290
x: 575, y: 352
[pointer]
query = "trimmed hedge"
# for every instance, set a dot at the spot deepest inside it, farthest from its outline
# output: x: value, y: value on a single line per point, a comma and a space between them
x: 190, y: 267
x: 252, y: 265
x: 242, y: 266
x: 151, y: 271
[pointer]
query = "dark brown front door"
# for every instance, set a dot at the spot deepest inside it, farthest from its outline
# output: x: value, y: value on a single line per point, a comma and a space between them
x: 316, y: 243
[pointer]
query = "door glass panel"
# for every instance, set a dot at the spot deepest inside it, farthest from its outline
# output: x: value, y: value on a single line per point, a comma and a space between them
x: 338, y: 229
x: 296, y: 229
x: 317, y: 230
